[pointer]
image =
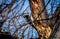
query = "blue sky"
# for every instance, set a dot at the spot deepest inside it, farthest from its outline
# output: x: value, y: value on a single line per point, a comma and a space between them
x: 49, y: 5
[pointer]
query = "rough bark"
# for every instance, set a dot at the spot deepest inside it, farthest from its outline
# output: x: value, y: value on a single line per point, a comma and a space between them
x: 42, y: 28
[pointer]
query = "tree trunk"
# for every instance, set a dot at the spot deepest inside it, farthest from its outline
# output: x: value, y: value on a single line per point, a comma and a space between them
x: 42, y: 28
